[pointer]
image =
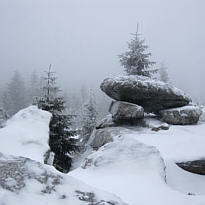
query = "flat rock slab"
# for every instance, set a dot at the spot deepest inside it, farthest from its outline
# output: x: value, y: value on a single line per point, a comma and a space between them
x: 187, y: 115
x: 151, y: 94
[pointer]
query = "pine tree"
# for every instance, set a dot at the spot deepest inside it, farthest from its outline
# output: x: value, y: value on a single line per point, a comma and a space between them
x: 60, y: 136
x: 163, y: 74
x: 136, y: 61
x: 14, y: 97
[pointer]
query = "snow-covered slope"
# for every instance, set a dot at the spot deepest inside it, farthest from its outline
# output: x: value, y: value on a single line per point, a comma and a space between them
x: 26, y: 134
x: 23, y: 177
x: 24, y: 181
x: 131, y: 167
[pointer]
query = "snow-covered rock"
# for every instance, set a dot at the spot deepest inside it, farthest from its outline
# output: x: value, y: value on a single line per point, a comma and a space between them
x: 186, y: 115
x: 24, y: 181
x: 126, y: 113
x: 103, y: 136
x: 151, y: 94
x: 26, y: 134
x: 196, y: 166
x: 131, y: 166
x: 125, y: 167
x: 155, y: 124
x: 106, y: 122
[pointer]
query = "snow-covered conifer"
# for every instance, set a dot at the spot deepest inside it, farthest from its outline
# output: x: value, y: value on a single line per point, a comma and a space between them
x: 61, y: 142
x: 136, y: 61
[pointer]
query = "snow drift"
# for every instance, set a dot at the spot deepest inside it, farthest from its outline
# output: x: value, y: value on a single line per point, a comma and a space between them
x: 26, y: 134
x: 131, y: 166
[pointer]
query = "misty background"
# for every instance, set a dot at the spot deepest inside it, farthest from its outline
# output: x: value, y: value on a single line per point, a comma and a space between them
x: 81, y: 39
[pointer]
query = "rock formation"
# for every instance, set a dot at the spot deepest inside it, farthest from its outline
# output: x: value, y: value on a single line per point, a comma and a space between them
x: 152, y: 95
x: 136, y: 94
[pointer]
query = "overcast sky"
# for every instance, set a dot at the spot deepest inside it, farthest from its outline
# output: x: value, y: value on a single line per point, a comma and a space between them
x: 82, y: 38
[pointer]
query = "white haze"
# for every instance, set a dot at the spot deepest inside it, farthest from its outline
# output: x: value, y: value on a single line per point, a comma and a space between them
x: 82, y: 39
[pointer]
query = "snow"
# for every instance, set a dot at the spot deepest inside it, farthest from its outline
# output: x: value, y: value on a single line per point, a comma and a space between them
x: 138, y: 165
x: 187, y: 107
x: 24, y: 181
x: 202, y: 117
x: 26, y: 134
x: 152, y: 121
x: 42, y: 184
x: 117, y: 167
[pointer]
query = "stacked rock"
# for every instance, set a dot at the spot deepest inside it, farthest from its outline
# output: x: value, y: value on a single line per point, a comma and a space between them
x: 135, y: 95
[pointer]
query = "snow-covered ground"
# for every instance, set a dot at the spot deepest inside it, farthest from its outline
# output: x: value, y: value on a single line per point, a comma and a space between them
x: 33, y: 183
x: 26, y: 181
x: 126, y: 169
x: 26, y: 134
x: 131, y: 167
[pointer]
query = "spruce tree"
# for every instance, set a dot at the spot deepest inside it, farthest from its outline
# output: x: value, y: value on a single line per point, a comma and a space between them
x: 60, y: 136
x: 136, y: 61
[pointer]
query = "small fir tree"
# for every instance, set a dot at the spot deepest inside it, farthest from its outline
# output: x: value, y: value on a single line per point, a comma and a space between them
x: 136, y: 61
x: 60, y: 136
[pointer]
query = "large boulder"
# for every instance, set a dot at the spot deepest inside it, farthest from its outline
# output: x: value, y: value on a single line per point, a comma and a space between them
x: 186, y: 115
x: 152, y: 95
x: 126, y: 113
x: 196, y: 166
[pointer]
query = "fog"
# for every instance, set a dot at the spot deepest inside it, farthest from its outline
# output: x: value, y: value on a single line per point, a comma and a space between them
x: 81, y: 39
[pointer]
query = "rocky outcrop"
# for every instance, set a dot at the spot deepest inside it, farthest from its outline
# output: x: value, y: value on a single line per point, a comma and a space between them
x: 196, y: 166
x: 24, y: 181
x: 186, y: 115
x: 126, y: 113
x: 152, y: 95
x: 126, y: 153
